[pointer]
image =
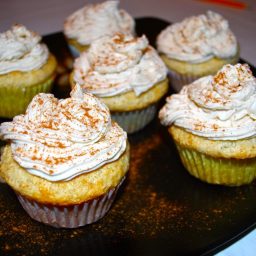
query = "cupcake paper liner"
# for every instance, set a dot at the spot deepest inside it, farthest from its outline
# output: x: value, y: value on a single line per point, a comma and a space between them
x: 177, y: 80
x: 14, y: 100
x: 231, y: 172
x: 133, y: 121
x: 70, y: 216
x: 1, y: 153
x: 74, y: 52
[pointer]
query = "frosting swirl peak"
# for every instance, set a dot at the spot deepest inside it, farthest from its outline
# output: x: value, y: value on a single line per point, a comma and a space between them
x: 117, y: 64
x: 20, y: 50
x: 220, y: 107
x: 198, y: 38
x: 96, y: 20
x: 61, y: 139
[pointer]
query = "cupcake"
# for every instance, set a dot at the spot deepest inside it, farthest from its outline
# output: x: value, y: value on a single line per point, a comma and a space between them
x: 127, y: 74
x: 94, y: 21
x: 26, y: 68
x: 65, y: 160
x: 213, y: 124
x: 197, y: 46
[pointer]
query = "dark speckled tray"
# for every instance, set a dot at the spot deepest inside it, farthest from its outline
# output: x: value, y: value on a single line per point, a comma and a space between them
x: 160, y: 210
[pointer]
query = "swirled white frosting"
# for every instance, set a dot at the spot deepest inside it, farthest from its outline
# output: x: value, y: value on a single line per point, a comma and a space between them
x: 61, y: 139
x: 220, y: 107
x: 96, y: 20
x: 20, y: 50
x: 198, y: 38
x: 115, y: 65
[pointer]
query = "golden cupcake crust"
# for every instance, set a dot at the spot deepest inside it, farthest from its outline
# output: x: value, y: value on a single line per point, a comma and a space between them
x: 208, y: 67
x: 30, y: 78
x: 130, y: 102
x: 78, y: 190
x: 238, y: 149
x: 78, y: 46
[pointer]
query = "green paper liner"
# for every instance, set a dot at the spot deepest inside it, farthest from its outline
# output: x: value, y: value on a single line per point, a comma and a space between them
x: 14, y: 100
x: 223, y: 171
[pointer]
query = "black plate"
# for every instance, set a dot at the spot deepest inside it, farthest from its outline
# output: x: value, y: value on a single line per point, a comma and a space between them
x: 160, y: 210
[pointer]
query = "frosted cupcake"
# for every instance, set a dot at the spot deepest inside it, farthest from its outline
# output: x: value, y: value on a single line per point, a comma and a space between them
x: 127, y: 74
x: 197, y: 46
x: 66, y: 159
x: 94, y: 21
x: 26, y: 68
x: 213, y: 123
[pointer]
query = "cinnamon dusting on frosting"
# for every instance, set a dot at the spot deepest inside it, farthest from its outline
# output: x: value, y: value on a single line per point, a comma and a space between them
x: 21, y: 50
x: 64, y: 138
x: 97, y: 20
x: 117, y: 64
x: 198, y: 38
x: 199, y: 126
x: 220, y: 107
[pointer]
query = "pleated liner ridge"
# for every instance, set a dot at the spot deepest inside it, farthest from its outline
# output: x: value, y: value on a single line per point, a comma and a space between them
x: 71, y: 216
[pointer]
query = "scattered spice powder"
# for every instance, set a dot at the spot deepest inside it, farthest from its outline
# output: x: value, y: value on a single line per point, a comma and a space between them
x: 143, y: 208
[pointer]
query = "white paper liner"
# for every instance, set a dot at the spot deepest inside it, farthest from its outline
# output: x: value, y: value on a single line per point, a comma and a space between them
x: 178, y: 80
x: 71, y: 216
x: 133, y: 121
x: 74, y: 52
